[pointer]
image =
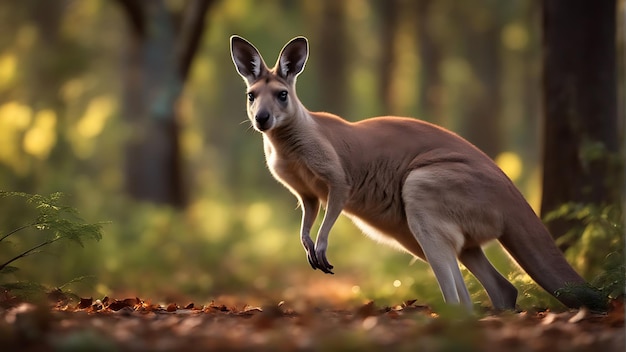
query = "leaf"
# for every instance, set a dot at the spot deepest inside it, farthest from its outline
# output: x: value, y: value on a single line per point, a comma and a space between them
x: 172, y: 307
x: 85, y: 303
x: 55, y: 220
x: 118, y: 305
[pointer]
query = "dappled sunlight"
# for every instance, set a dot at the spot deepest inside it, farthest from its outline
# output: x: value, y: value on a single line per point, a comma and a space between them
x: 14, y: 120
x: 98, y: 111
x: 42, y: 135
x: 326, y: 289
x: 257, y: 216
x: 534, y: 189
x: 403, y: 91
x: 511, y: 164
x: 212, y: 219
x: 515, y: 36
x: 91, y: 123
x: 8, y: 67
x: 73, y: 89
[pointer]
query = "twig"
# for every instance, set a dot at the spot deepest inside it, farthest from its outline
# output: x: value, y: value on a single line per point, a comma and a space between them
x: 24, y: 254
x: 17, y: 230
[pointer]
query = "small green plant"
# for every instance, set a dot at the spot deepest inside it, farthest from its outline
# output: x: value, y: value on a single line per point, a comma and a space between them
x: 598, y: 249
x: 51, y: 222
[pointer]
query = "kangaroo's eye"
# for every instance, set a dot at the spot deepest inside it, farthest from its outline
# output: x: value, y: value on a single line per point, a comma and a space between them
x: 282, y: 95
x: 250, y: 97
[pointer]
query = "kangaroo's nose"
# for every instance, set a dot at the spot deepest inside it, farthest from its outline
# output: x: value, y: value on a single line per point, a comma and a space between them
x: 262, y: 119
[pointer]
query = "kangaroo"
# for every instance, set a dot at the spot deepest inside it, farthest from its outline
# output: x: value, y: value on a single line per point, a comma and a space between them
x: 402, y: 181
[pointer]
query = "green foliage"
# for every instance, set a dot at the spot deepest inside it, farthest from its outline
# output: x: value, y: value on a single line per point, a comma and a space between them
x: 598, y: 249
x: 612, y: 281
x: 600, y: 231
x: 587, y: 295
x: 51, y: 221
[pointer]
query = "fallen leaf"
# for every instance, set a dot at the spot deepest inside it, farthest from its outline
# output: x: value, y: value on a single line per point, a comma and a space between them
x: 408, y: 303
x: 117, y: 305
x: 366, y: 310
x: 172, y: 307
x: 85, y: 303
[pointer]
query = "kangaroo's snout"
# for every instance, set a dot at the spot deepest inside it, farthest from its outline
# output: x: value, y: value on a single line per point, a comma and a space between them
x: 262, y: 120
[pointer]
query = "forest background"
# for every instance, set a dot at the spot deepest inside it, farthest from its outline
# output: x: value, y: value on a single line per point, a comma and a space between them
x: 135, y: 112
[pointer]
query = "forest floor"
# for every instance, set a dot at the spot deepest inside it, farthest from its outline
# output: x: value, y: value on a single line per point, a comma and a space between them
x: 136, y: 325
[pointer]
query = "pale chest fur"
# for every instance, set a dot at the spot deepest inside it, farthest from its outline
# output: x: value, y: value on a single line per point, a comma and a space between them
x: 294, y: 174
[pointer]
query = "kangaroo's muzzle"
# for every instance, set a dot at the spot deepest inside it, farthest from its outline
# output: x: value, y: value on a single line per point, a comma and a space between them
x: 263, y: 120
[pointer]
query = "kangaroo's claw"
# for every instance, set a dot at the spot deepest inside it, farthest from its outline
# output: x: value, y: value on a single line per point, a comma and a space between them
x: 309, y: 247
x: 322, y: 262
x: 312, y: 260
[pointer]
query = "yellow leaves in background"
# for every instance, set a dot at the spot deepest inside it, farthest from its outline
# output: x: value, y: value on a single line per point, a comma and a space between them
x: 14, y: 120
x: 8, y: 67
x: 213, y: 218
x: 97, y: 112
x: 258, y: 216
x: 24, y: 132
x: 514, y: 36
x: 42, y: 136
x: 91, y: 124
x: 36, y: 137
x: 404, y: 90
x: 511, y: 164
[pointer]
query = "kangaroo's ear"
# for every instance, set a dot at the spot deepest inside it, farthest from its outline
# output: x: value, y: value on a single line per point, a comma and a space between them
x: 247, y: 59
x: 292, y: 58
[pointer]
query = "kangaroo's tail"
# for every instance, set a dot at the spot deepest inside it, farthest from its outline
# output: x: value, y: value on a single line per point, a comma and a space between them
x: 529, y: 242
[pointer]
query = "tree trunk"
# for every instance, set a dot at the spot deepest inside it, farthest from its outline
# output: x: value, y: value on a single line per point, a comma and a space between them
x: 388, y: 12
x: 158, y: 63
x: 580, y: 106
x: 431, y: 85
x: 332, y: 58
x: 482, y: 121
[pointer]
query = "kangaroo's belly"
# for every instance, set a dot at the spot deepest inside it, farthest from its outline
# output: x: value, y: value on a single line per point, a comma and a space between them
x: 375, y: 205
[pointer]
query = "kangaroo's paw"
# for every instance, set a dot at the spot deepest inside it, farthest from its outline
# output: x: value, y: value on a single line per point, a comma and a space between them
x: 309, y: 247
x: 323, y: 264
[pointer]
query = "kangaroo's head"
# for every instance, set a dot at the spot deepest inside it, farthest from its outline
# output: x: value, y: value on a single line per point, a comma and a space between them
x: 271, y: 93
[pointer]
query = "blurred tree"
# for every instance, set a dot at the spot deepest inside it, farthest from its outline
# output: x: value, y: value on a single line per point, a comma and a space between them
x: 389, y: 17
x: 333, y: 48
x: 480, y: 30
x: 431, y: 85
x: 580, y: 106
x: 158, y: 64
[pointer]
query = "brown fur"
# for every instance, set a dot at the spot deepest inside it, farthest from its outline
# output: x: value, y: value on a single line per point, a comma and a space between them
x: 402, y: 181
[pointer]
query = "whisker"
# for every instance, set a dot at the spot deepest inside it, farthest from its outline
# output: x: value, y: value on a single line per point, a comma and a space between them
x: 249, y: 125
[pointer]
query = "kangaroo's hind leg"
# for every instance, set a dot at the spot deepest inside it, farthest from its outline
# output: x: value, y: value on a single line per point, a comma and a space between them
x: 501, y: 292
x: 442, y: 258
x: 440, y: 239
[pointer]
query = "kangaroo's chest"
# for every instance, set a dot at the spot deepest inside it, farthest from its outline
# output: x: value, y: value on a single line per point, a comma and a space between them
x: 295, y: 174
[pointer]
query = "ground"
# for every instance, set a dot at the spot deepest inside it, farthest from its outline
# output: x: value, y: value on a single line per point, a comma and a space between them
x: 225, y: 325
